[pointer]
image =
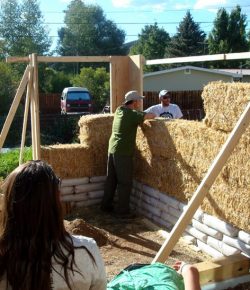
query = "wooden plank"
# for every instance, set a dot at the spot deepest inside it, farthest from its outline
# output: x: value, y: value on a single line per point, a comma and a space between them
x: 204, y: 186
x: 61, y: 59
x: 223, y: 268
x: 11, y: 59
x: 187, y: 59
x: 74, y: 58
x: 119, y: 81
x: 36, y: 107
x: 240, y: 55
x: 25, y: 118
x: 14, y: 106
x: 135, y: 74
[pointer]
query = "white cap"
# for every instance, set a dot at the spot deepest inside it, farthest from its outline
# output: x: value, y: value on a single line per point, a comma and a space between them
x: 163, y: 93
x: 132, y: 96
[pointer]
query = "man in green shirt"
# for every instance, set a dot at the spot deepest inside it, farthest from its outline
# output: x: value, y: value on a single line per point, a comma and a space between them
x: 120, y: 154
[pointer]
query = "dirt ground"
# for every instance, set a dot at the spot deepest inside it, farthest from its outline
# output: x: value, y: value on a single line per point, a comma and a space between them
x: 125, y: 242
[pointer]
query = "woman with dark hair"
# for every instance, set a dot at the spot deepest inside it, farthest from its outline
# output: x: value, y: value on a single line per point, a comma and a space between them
x: 36, y: 252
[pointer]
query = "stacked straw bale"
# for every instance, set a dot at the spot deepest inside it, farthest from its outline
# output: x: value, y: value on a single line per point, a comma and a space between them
x: 174, y: 156
x: 224, y: 103
x: 95, y: 131
x: 69, y: 160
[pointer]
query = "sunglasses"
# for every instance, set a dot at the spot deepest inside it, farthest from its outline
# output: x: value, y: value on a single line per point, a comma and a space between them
x: 166, y: 97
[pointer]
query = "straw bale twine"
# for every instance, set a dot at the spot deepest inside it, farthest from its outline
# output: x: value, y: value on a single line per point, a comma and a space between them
x: 224, y: 103
x: 69, y: 160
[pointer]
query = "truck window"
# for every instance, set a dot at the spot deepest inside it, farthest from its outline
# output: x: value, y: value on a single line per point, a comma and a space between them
x: 78, y: 96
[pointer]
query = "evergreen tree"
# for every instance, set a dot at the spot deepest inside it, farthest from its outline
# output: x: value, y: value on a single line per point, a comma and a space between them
x: 237, y: 31
x: 151, y: 44
x: 218, y: 38
x: 189, y: 40
x: 228, y: 35
x: 88, y: 32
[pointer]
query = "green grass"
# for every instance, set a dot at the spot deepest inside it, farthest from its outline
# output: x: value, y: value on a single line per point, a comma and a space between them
x: 10, y: 160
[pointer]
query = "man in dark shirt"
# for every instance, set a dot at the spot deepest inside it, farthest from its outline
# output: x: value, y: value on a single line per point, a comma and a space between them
x: 120, y: 154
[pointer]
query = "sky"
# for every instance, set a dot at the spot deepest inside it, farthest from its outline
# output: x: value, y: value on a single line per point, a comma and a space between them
x: 132, y: 15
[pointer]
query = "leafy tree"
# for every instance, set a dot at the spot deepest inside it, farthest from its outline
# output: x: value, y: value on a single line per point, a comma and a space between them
x: 189, y: 39
x: 228, y: 35
x: 97, y: 82
x: 151, y: 44
x: 7, y: 87
x: 88, y: 32
x: 22, y: 29
x: 10, y: 24
x: 54, y: 81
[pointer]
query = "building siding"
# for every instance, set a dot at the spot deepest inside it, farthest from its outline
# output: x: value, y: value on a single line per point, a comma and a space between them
x: 180, y: 81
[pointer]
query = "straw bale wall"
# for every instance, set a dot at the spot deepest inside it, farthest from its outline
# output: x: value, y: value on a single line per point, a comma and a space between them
x: 174, y: 156
x: 224, y: 103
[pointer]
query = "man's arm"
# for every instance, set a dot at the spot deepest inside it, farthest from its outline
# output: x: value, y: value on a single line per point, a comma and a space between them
x: 149, y: 116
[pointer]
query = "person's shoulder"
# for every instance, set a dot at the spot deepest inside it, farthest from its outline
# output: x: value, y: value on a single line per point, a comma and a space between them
x: 155, y: 106
x: 82, y: 241
x: 174, y: 105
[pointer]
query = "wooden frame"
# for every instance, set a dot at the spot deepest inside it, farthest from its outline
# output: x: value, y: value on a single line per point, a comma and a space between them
x: 125, y: 74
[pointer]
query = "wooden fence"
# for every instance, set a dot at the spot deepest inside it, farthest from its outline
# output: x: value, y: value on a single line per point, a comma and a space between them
x: 190, y: 103
x: 50, y: 103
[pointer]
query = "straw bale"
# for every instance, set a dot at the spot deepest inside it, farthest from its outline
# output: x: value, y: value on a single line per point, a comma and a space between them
x: 95, y: 130
x: 229, y: 204
x: 69, y: 160
x: 224, y: 103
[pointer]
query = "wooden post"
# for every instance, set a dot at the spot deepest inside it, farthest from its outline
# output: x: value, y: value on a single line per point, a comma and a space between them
x: 35, y: 121
x: 204, y: 187
x: 14, y: 106
x: 25, y: 118
x: 32, y: 116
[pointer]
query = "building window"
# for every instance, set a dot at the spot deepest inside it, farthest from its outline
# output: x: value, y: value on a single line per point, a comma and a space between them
x: 187, y: 71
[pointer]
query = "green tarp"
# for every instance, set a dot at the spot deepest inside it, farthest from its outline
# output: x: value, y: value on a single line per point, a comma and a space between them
x: 149, y: 277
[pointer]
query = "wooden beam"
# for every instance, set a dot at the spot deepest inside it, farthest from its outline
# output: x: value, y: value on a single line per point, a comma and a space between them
x: 35, y: 120
x: 204, y: 187
x: 212, y: 57
x: 223, y: 268
x: 25, y: 118
x: 14, y: 106
x: 74, y: 58
x: 12, y: 59
x: 61, y: 59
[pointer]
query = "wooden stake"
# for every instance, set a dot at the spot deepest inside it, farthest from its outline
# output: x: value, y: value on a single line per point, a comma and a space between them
x: 25, y: 118
x: 14, y: 106
x: 204, y: 187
